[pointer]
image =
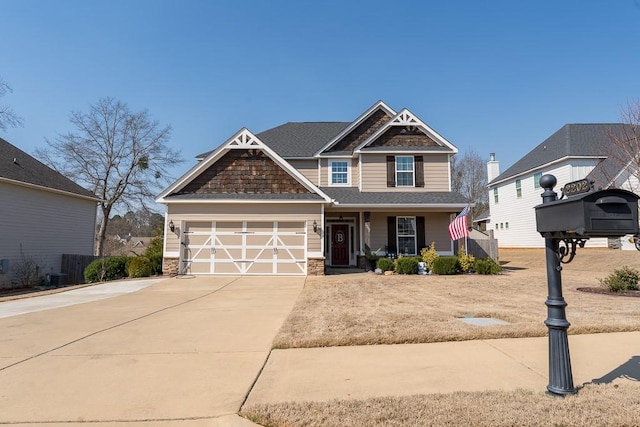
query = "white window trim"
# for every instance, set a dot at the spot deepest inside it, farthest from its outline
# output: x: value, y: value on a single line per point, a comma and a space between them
x: 518, y: 185
x: 348, y: 183
x: 413, y: 171
x: 414, y: 235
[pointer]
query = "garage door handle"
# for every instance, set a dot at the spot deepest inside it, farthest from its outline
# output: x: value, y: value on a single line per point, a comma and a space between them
x: 275, y: 251
x: 213, y: 251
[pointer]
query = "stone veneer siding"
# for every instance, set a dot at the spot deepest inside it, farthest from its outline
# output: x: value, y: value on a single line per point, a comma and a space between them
x: 170, y: 266
x: 315, y: 266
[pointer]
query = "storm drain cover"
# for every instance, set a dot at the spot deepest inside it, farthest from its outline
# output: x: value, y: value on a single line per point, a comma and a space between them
x: 483, y: 321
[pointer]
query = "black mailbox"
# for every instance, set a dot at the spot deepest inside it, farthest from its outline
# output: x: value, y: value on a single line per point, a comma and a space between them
x: 604, y: 213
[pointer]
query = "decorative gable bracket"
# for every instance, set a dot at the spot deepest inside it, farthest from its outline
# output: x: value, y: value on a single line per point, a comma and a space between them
x: 244, y: 140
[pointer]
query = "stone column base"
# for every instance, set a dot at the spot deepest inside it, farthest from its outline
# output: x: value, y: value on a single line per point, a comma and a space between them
x: 170, y: 266
x: 315, y: 266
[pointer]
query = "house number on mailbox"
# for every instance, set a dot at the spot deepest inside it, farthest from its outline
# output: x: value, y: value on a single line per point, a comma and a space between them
x: 576, y: 187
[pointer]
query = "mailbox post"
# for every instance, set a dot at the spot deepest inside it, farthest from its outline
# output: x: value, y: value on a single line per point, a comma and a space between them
x: 560, y: 374
x: 565, y: 225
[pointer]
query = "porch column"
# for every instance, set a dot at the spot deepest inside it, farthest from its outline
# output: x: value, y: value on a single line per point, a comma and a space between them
x: 367, y: 231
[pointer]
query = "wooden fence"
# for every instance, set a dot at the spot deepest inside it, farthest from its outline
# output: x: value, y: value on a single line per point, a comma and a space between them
x: 73, y: 267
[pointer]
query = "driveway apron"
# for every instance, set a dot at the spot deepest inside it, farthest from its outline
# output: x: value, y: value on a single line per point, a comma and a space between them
x: 185, y: 349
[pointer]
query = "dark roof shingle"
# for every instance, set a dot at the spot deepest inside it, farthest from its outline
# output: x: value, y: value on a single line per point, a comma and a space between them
x: 353, y: 196
x: 17, y: 165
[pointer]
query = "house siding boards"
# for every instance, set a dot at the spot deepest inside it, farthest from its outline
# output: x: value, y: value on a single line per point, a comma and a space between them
x: 307, y: 167
x: 400, y: 136
x: 44, y: 225
x: 435, y: 168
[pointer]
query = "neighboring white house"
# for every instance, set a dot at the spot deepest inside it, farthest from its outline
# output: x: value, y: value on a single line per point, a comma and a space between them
x: 574, y: 152
x: 43, y: 215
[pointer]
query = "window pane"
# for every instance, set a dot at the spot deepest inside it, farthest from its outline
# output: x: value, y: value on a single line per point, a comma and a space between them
x: 404, y: 163
x: 339, y: 173
x: 406, y: 226
x: 407, y: 245
x: 536, y: 179
x: 405, y: 179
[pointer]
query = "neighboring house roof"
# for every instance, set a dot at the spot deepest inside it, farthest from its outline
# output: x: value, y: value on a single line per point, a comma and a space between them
x: 484, y: 216
x: 352, y: 196
x: 572, y: 140
x: 18, y: 166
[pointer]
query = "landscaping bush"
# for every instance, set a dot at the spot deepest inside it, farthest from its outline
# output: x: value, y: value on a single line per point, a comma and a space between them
x: 466, y: 261
x: 385, y: 264
x: 429, y: 255
x: 154, y: 253
x: 104, y: 269
x: 407, y: 265
x: 446, y: 265
x: 486, y: 266
x: 621, y: 280
x: 140, y: 267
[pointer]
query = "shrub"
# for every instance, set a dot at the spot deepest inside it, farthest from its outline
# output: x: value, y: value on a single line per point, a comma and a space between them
x: 429, y: 255
x: 140, y: 267
x: 466, y: 261
x: 486, y: 266
x: 385, y: 264
x: 154, y: 253
x: 621, y: 280
x: 104, y: 269
x: 446, y: 265
x: 407, y: 265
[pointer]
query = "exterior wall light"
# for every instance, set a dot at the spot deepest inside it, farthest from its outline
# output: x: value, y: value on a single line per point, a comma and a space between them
x: 315, y: 226
x: 172, y: 226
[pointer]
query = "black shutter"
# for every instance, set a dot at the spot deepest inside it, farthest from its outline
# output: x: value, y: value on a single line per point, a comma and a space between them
x: 391, y: 235
x: 420, y: 234
x: 391, y: 171
x: 418, y: 164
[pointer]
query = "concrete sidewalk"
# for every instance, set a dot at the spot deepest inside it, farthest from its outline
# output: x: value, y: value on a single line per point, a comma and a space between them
x: 361, y: 372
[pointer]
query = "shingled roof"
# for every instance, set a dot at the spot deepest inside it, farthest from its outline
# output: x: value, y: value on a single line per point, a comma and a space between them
x: 16, y: 165
x: 298, y: 139
x: 571, y: 140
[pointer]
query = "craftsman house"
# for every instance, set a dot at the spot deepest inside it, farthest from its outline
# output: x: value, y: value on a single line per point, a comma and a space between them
x: 302, y: 196
x: 574, y: 152
x: 44, y: 215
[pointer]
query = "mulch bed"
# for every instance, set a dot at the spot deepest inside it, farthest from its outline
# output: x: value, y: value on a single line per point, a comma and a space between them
x: 604, y: 291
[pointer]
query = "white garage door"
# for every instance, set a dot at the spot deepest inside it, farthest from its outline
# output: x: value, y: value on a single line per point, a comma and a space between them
x: 245, y: 247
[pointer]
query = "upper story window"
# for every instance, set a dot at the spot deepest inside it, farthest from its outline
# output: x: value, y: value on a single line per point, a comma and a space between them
x: 518, y: 188
x: 536, y: 179
x: 339, y: 172
x: 404, y: 171
x: 495, y: 196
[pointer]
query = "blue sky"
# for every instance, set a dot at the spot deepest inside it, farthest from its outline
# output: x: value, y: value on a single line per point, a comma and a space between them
x: 495, y: 76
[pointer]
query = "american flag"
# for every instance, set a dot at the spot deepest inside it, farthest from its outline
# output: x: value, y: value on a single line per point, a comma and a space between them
x: 459, y: 227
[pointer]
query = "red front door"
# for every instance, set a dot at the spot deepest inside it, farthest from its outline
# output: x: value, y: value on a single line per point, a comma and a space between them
x: 340, y: 245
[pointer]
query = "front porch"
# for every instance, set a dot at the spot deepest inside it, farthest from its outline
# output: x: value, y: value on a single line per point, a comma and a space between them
x: 348, y: 235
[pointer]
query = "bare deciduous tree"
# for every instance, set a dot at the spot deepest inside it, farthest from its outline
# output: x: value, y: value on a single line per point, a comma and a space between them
x: 622, y: 168
x: 469, y: 178
x: 8, y: 118
x: 120, y: 155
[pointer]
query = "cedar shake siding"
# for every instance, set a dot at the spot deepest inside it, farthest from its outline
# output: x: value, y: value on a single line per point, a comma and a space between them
x: 361, y: 132
x: 400, y: 136
x: 244, y: 172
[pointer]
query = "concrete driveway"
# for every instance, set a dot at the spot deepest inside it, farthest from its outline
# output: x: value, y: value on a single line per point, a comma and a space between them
x: 184, y: 351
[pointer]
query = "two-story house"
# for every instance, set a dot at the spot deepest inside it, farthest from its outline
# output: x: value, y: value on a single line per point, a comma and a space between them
x: 574, y: 152
x: 302, y: 196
